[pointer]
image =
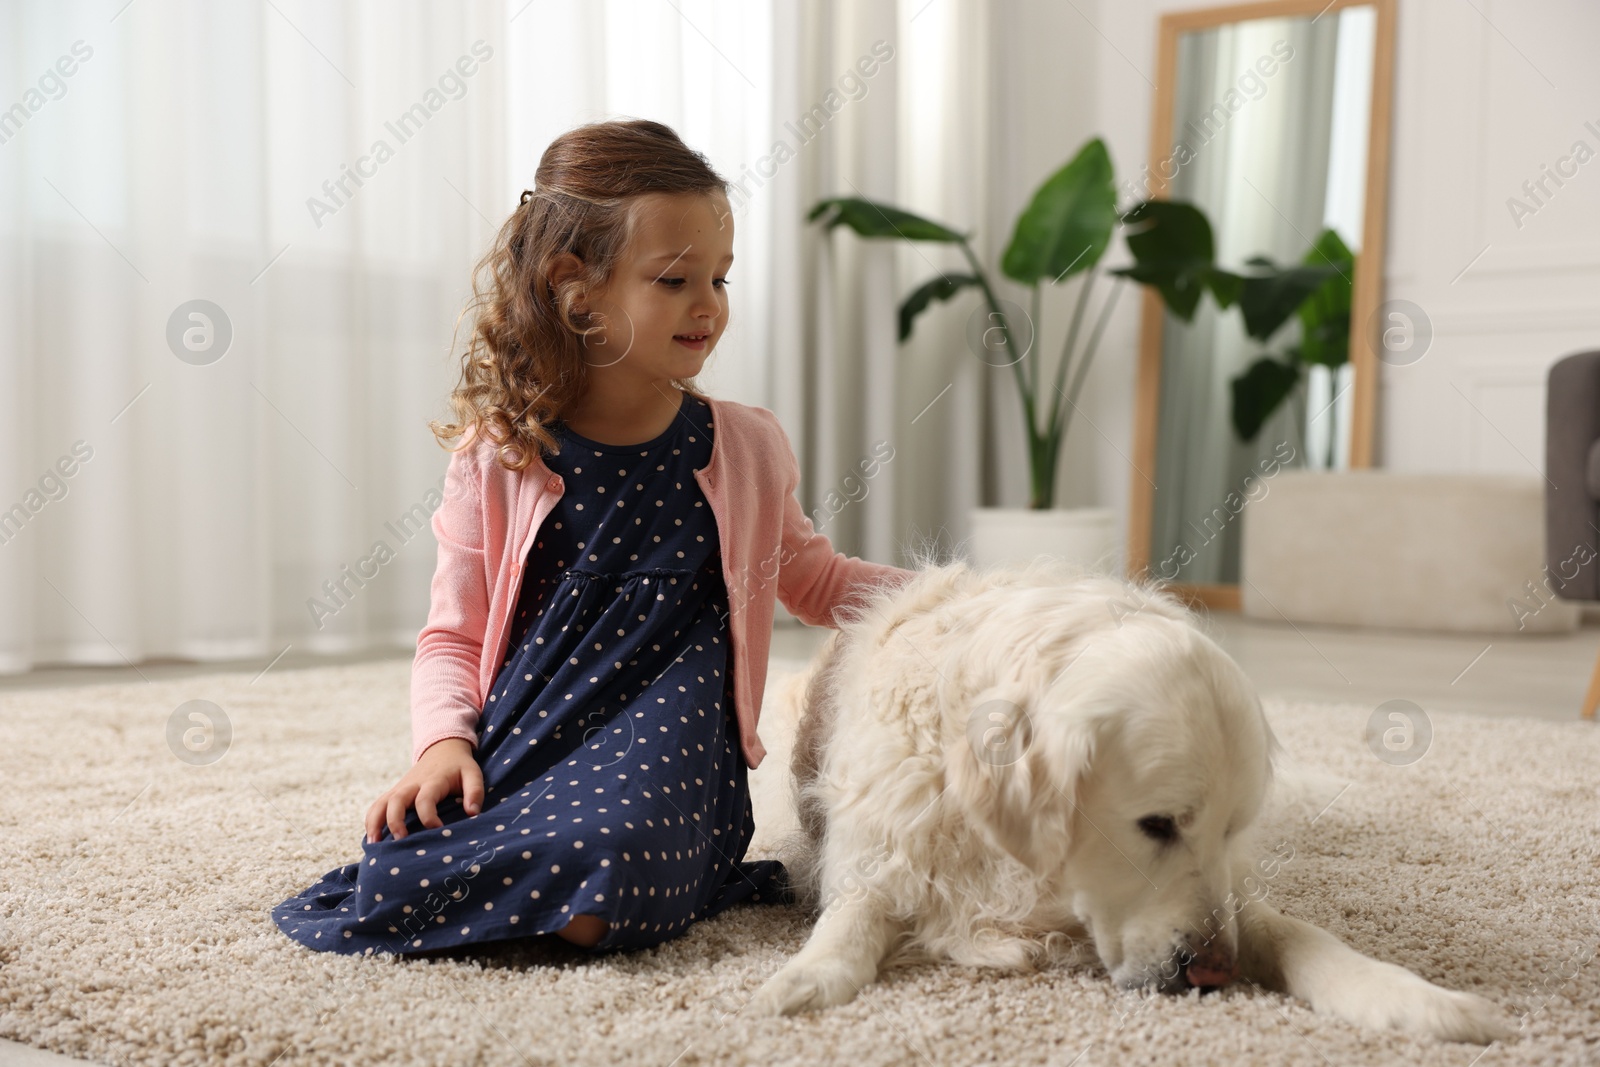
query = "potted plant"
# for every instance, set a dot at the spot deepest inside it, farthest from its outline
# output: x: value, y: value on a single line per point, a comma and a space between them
x: 1065, y: 230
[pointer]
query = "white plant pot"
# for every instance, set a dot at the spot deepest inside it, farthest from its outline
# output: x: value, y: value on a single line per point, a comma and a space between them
x: 1085, y: 536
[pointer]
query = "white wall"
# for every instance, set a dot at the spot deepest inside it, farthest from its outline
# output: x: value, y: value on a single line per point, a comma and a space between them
x: 1483, y: 104
x: 1486, y: 92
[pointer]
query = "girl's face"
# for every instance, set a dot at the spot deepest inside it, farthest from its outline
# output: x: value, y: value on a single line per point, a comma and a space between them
x: 667, y: 303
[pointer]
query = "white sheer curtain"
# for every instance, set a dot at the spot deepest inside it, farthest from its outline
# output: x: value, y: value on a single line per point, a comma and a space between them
x: 252, y: 474
x: 890, y: 437
x: 217, y: 503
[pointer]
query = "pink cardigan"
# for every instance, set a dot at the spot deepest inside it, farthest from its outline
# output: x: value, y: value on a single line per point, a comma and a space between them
x: 490, y: 516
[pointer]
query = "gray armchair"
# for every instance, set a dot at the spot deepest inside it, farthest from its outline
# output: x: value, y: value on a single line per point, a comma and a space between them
x: 1572, y: 486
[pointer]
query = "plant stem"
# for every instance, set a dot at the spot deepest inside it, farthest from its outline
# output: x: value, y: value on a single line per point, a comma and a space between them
x: 1302, y: 434
x: 1039, y: 479
x: 1005, y: 328
x: 1333, y: 414
x: 1088, y: 353
x: 1066, y: 349
x: 1033, y: 326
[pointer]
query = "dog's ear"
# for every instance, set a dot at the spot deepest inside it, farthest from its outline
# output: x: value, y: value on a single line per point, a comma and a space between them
x: 1017, y: 773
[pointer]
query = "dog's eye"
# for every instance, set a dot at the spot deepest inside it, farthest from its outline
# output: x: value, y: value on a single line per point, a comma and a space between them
x: 1159, y: 828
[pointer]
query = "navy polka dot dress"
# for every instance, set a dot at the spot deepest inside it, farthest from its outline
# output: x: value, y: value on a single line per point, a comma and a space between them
x: 614, y: 783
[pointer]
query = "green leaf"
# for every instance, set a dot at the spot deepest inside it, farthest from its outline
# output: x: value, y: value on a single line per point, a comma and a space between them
x: 870, y: 219
x: 940, y: 287
x: 1224, y: 285
x: 1161, y: 231
x: 1267, y: 300
x: 1170, y: 241
x: 1180, y: 290
x: 1066, y: 227
x: 1330, y: 249
x: 1325, y: 314
x: 1258, y: 392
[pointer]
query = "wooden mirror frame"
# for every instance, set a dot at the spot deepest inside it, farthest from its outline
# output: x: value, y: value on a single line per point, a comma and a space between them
x: 1365, y: 286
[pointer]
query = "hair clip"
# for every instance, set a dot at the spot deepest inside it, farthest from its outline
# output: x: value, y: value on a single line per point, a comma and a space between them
x: 527, y: 194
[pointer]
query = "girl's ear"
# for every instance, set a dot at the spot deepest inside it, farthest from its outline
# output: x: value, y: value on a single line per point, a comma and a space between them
x: 1017, y: 773
x: 561, y: 266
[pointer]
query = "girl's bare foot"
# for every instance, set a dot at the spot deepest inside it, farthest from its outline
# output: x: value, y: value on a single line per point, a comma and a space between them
x: 584, y: 930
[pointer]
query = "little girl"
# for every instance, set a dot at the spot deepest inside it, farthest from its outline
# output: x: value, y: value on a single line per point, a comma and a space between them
x: 585, y: 693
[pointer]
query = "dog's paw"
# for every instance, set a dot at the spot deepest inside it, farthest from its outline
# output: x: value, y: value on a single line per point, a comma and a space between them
x: 1473, y: 1019
x: 803, y: 987
x: 1396, y: 999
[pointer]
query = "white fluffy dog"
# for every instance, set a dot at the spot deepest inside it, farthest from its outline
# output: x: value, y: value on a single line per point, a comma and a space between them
x: 994, y: 767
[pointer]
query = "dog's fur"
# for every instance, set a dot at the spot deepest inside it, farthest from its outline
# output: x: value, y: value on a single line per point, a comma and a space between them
x: 1000, y: 767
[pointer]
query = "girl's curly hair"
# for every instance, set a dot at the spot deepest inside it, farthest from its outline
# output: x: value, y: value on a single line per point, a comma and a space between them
x: 524, y: 364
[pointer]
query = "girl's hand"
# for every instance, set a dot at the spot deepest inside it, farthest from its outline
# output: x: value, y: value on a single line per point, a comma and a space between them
x: 445, y: 769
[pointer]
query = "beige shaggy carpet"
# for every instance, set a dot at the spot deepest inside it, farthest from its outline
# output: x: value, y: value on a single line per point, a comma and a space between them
x: 135, y: 891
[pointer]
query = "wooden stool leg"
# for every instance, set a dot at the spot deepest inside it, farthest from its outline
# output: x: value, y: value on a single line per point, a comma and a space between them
x: 1592, y: 697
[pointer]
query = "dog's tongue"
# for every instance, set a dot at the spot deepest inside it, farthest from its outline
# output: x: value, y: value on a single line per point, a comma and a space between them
x: 1207, y: 975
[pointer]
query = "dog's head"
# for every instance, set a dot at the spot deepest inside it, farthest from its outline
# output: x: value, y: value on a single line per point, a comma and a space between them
x: 1125, y: 782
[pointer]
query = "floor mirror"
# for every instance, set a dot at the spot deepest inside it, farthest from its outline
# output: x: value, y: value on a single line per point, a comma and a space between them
x: 1272, y: 119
